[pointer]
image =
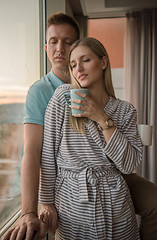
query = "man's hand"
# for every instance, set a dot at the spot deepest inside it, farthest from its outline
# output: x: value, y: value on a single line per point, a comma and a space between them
x: 27, y: 226
x: 49, y: 216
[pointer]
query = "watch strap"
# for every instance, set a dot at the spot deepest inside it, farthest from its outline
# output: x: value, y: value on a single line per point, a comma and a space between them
x: 107, y: 124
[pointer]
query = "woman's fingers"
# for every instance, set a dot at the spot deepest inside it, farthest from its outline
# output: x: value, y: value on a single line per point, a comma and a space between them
x: 50, y: 218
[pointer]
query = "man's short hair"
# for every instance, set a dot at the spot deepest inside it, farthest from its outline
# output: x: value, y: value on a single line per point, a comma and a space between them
x: 62, y: 18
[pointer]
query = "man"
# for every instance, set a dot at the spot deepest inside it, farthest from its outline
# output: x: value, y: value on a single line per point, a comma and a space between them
x: 62, y: 31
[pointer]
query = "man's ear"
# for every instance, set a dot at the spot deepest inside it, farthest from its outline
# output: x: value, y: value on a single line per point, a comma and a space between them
x: 104, y: 62
x: 46, y: 47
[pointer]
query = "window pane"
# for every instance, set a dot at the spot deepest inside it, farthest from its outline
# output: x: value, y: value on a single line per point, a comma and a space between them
x: 19, y: 68
x: 111, y: 31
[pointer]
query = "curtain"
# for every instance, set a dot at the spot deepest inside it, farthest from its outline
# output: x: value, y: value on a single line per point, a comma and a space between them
x: 140, y: 76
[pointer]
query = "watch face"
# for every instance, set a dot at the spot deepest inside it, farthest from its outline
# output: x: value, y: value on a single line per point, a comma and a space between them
x: 110, y: 123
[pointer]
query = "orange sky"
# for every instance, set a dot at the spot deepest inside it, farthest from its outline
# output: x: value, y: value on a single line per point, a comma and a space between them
x: 111, y: 33
x: 12, y: 95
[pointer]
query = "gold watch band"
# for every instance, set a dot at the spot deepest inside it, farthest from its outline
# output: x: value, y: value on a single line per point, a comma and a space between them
x: 107, y: 124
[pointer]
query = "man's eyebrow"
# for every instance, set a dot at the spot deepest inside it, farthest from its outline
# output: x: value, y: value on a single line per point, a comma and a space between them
x: 68, y: 38
x: 51, y: 38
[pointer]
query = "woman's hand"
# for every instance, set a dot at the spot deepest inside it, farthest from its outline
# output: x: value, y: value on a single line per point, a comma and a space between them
x: 48, y: 214
x: 91, y: 109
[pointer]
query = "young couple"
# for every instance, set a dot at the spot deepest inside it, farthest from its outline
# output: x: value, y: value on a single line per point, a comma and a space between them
x: 84, y: 159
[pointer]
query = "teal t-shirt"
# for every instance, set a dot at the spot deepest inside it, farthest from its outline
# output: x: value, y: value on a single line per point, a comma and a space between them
x: 38, y: 97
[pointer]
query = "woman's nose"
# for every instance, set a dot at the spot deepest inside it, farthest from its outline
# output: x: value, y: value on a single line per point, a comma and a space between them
x: 80, y: 67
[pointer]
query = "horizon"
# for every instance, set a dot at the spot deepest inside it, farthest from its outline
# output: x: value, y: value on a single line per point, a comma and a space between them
x: 12, y: 94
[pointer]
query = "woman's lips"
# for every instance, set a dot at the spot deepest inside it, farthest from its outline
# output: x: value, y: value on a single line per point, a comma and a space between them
x: 82, y: 76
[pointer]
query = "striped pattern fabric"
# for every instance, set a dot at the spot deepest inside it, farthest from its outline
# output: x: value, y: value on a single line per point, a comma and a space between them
x: 81, y: 174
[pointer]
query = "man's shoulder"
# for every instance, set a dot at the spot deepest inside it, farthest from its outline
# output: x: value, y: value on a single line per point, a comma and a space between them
x: 42, y: 83
x: 45, y: 87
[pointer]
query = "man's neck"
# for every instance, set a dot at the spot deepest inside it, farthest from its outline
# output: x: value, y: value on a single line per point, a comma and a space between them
x: 62, y: 75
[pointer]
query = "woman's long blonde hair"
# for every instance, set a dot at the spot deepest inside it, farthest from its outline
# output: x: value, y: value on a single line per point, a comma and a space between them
x: 98, y: 49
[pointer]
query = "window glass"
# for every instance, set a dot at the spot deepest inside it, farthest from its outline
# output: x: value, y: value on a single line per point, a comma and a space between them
x: 19, y: 68
x: 111, y: 31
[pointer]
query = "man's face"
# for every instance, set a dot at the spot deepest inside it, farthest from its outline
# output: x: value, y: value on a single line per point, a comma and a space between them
x: 59, y: 39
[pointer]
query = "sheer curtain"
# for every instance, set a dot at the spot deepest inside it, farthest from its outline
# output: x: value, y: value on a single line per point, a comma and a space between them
x: 140, y: 64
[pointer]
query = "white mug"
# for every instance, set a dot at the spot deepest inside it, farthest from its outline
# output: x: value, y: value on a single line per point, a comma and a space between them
x: 145, y: 132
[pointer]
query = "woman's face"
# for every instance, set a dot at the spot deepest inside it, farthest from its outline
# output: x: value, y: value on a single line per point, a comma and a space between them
x: 86, y: 67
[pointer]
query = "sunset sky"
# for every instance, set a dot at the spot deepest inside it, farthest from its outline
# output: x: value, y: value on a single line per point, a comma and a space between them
x: 12, y: 94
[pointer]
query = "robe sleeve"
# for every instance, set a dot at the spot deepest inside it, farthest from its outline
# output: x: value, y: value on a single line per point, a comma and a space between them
x: 53, y: 124
x: 125, y: 148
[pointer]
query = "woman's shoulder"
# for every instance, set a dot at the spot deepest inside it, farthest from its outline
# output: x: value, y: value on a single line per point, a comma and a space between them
x: 63, y: 89
x: 60, y: 92
x: 126, y: 105
x: 115, y: 104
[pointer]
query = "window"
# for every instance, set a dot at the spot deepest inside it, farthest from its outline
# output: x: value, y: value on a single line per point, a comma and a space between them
x: 110, y: 31
x: 19, y: 68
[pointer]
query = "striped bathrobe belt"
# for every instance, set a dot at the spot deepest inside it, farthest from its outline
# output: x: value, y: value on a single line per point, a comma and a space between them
x: 87, y: 175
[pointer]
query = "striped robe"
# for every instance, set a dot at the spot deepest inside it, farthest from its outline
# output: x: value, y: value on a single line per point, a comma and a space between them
x: 81, y: 174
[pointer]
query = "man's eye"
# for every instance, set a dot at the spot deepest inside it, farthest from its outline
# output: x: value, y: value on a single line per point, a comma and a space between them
x: 86, y: 60
x: 53, y: 41
x: 69, y: 43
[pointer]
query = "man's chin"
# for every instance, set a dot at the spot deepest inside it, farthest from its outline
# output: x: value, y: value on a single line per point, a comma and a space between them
x: 59, y: 67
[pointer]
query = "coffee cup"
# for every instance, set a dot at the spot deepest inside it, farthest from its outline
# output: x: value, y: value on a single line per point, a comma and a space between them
x: 145, y: 132
x: 72, y: 95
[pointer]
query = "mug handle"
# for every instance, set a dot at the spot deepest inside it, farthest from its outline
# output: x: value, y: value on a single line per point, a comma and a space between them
x: 67, y: 99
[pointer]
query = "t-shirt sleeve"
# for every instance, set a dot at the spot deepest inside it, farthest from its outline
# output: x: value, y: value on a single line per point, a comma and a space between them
x: 37, y: 99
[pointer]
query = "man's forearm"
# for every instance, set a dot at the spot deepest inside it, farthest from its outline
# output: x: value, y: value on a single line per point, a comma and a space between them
x: 30, y: 183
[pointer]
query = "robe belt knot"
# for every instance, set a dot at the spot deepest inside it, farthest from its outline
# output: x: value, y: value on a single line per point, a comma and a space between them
x: 87, y: 175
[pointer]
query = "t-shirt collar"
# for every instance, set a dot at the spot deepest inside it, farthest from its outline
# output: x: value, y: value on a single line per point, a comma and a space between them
x: 55, y: 80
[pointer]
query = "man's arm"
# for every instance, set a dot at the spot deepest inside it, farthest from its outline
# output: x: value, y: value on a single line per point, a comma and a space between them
x: 33, y: 137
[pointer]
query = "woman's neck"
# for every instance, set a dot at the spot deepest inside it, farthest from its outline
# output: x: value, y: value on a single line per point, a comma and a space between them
x: 100, y: 96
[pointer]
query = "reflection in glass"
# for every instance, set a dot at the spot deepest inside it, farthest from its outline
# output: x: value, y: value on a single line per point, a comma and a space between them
x: 19, y: 68
x: 11, y: 136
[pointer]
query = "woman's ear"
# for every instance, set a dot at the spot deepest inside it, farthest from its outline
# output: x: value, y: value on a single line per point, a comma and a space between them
x: 104, y: 62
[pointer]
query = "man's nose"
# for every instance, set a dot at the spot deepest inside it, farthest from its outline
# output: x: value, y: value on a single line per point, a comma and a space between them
x: 60, y: 47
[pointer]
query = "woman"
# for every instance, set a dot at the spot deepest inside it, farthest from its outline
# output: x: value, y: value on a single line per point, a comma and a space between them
x: 84, y: 155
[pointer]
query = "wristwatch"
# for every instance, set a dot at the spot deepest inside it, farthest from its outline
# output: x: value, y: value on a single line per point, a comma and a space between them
x: 107, y: 124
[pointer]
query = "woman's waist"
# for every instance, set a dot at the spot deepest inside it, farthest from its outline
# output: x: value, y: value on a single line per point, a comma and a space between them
x: 87, y: 175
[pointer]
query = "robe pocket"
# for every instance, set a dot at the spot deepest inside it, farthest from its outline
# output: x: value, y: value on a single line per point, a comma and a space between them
x: 68, y: 205
x: 121, y: 203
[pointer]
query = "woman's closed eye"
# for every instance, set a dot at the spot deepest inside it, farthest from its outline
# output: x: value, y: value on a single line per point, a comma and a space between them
x: 73, y: 66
